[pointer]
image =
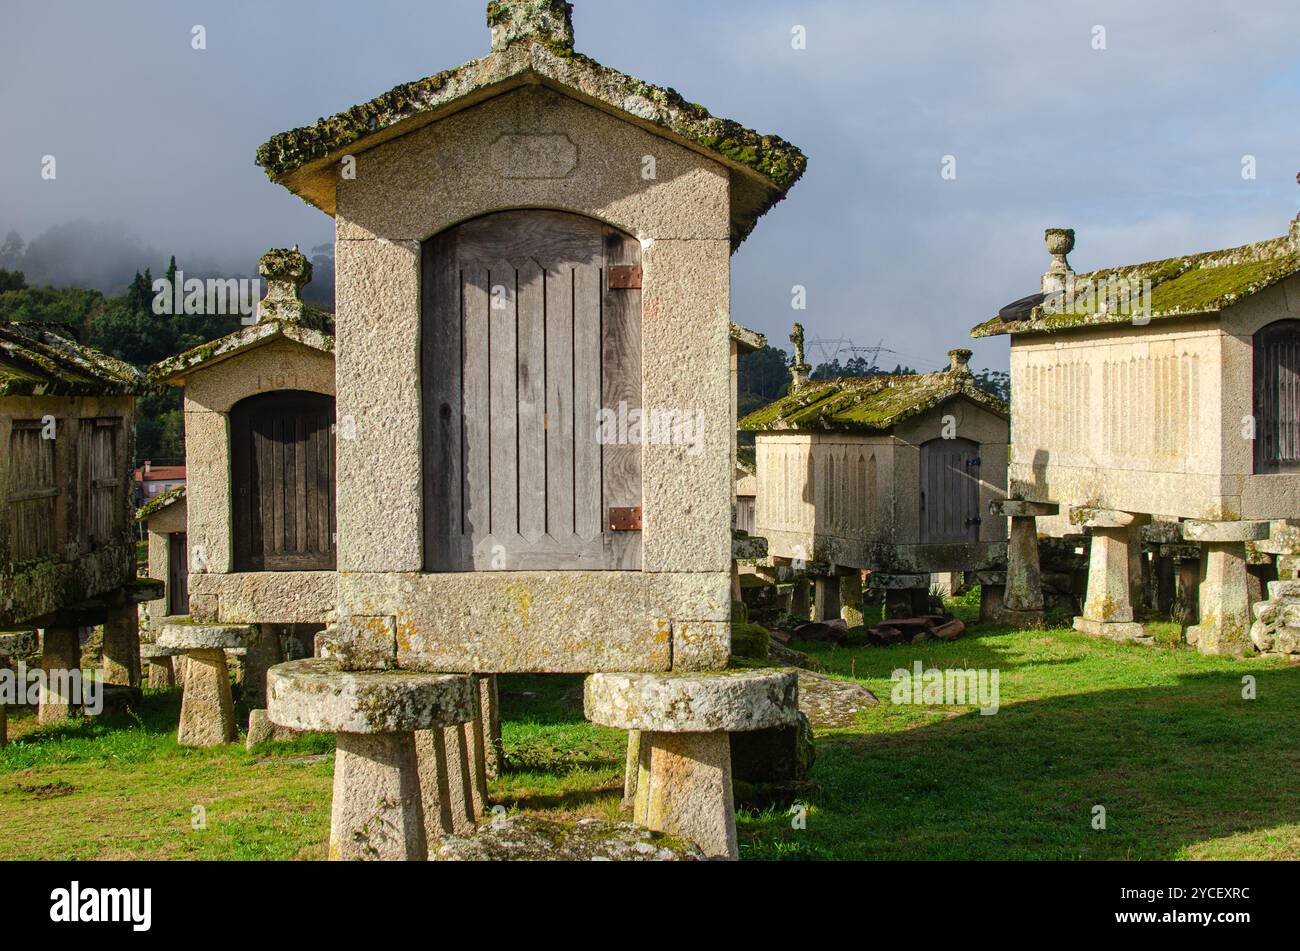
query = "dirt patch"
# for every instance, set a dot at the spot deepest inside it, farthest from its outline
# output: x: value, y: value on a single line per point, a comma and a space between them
x: 55, y: 790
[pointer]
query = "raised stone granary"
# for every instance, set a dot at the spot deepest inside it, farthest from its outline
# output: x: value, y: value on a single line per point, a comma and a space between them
x: 890, y: 473
x: 1162, y: 391
x: 67, y: 546
x: 534, y: 347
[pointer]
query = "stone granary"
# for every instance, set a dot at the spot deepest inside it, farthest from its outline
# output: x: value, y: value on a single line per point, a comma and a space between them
x: 1162, y: 391
x: 533, y: 345
x: 67, y: 536
x: 890, y: 473
x: 248, y: 550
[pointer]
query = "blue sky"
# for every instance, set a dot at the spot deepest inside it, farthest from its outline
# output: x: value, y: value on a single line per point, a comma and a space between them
x: 1138, y: 146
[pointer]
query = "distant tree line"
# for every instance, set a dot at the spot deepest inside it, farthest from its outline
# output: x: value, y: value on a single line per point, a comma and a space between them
x: 125, y: 326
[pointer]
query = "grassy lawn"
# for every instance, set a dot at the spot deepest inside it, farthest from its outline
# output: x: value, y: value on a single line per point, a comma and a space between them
x: 1160, y: 736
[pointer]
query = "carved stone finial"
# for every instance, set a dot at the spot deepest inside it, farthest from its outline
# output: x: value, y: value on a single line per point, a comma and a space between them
x: 1060, y: 242
x: 959, y: 361
x: 513, y: 21
x: 799, y: 369
x: 287, y: 271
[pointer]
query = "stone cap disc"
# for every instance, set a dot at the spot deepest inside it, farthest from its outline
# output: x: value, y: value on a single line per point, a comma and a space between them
x: 730, y: 701
x: 1021, y: 508
x: 193, y: 637
x: 313, y: 694
x: 157, y: 652
x: 1195, y: 530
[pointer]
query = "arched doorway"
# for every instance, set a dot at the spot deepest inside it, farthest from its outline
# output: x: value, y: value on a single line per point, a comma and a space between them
x: 1277, y: 397
x: 531, y: 330
x: 282, y: 468
x: 950, y: 493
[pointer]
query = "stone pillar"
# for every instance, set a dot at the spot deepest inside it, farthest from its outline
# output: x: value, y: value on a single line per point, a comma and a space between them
x: 263, y: 652
x: 631, y: 768
x: 694, y: 770
x: 377, y: 813
x: 684, y: 765
x: 158, y: 660
x: 851, y: 599
x: 380, y: 780
x: 447, y: 808
x: 826, y: 599
x: 462, y: 810
x: 1023, y: 596
x: 799, y: 597
x: 490, y: 705
x: 4, y: 710
x: 1189, y: 583
x: 121, y: 656
x: 1224, y: 597
x: 60, y: 655
x: 207, y: 710
x: 476, y: 749
x: 1108, y: 608
x: 1138, y: 573
x: 1165, y: 586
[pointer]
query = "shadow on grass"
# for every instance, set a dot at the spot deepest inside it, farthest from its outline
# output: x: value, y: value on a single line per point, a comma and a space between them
x: 1172, y: 766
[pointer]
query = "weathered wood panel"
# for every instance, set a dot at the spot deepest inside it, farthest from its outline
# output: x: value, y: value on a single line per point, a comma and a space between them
x: 524, y: 343
x: 32, y: 492
x: 949, y: 491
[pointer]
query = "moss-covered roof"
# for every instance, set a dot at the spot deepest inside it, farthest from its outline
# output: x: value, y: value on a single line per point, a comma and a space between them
x: 1196, y: 285
x: 173, y: 370
x: 158, y: 503
x: 763, y: 167
x: 870, y: 403
x: 37, y: 360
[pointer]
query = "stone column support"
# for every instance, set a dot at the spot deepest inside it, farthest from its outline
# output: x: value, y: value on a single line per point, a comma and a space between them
x: 60, y: 655
x: 851, y: 598
x: 799, y: 596
x: 263, y: 652
x: 826, y: 598
x: 389, y: 773
x: 158, y: 661
x: 121, y: 656
x: 1224, y: 596
x: 490, y: 708
x: 684, y: 763
x: 207, y: 708
x: 1023, y: 597
x: 1108, y: 608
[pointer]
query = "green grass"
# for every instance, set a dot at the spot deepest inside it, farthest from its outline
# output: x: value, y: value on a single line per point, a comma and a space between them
x: 1160, y: 736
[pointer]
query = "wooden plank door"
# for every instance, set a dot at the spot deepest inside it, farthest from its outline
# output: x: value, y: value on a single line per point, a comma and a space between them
x: 178, y: 574
x: 282, y: 460
x: 525, y: 342
x: 950, y: 491
x: 1277, y: 397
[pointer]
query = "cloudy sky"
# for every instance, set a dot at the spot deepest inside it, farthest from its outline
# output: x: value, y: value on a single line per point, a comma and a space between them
x: 1138, y: 146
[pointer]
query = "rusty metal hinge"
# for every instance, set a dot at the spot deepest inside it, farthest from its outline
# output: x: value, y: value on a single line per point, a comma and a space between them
x: 625, y: 519
x: 624, y: 277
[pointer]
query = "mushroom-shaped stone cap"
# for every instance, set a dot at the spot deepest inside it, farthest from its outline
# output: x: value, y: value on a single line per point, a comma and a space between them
x: 730, y: 701
x: 1196, y: 530
x: 195, y: 637
x: 314, y: 694
x: 149, y: 652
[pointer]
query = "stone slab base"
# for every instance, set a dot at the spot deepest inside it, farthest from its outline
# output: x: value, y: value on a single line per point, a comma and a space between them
x: 530, y: 839
x: 1125, y: 631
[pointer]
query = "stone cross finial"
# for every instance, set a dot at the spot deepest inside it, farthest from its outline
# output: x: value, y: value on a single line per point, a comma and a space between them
x: 513, y: 21
x: 959, y: 361
x: 800, y: 368
x: 1060, y: 242
x: 287, y: 271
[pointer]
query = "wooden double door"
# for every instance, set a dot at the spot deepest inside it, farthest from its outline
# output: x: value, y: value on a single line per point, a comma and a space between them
x: 282, y: 463
x: 531, y: 337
